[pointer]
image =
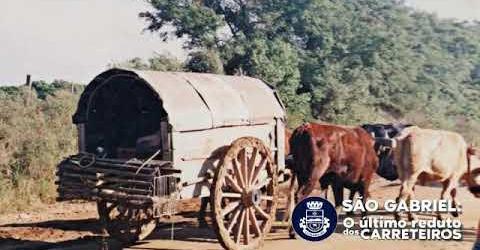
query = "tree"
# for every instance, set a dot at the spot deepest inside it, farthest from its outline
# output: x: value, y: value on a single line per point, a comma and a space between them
x: 204, y: 62
x: 341, y: 61
x: 233, y: 29
x: 158, y: 62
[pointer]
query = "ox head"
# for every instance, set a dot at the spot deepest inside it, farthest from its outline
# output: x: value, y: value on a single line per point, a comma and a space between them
x: 384, y: 144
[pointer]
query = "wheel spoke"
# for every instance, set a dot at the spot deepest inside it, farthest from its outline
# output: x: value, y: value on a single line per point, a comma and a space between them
x: 239, y: 227
x: 233, y: 184
x: 231, y: 195
x: 246, y: 228
x: 230, y: 207
x: 254, y: 222
x: 258, y: 169
x: 266, y: 197
x: 234, y: 219
x: 238, y: 172
x: 261, y: 212
x: 244, y: 166
x: 126, y: 223
x: 251, y: 165
x: 262, y: 184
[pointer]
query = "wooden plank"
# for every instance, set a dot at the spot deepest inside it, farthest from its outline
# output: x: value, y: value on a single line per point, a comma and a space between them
x: 111, y: 179
x: 133, y: 162
x: 165, y: 141
x: 73, y: 187
x: 124, y: 166
x: 135, y: 191
x: 117, y: 173
x: 120, y: 195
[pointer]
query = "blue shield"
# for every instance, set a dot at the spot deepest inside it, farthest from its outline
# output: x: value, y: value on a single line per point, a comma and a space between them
x: 314, y: 220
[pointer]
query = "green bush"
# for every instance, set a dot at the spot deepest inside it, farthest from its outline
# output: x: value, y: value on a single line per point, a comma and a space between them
x: 35, y: 133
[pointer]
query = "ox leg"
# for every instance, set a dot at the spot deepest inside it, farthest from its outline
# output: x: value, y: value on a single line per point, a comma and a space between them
x: 449, y: 187
x: 453, y: 194
x: 336, y: 182
x: 353, y: 190
x: 203, y: 212
x: 363, y: 189
x: 291, y: 201
x: 406, y: 193
x: 445, y: 185
x: 411, y: 216
x: 337, y: 188
x: 311, y: 183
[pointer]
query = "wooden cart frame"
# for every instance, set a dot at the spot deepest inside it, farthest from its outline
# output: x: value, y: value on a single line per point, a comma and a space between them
x: 147, y: 138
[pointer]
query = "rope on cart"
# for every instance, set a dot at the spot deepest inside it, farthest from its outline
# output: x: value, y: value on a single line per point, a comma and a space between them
x: 148, y: 161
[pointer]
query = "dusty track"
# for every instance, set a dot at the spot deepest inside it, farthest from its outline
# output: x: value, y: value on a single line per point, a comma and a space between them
x: 74, y: 227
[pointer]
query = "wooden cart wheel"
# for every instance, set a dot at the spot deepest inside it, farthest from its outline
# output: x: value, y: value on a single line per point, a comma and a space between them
x: 244, y: 195
x: 126, y: 224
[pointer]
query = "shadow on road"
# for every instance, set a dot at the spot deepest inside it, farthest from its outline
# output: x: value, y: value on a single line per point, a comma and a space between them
x: 85, y: 243
x: 87, y: 225
x: 184, y: 231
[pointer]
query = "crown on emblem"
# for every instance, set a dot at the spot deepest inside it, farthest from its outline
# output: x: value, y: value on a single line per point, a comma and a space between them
x: 314, y: 205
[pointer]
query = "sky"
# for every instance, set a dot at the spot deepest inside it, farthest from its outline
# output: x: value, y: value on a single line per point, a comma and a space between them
x: 72, y: 39
x: 75, y: 40
x: 458, y: 9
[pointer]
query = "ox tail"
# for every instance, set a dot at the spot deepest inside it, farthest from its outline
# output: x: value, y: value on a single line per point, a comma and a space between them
x: 302, y: 151
x: 403, y: 151
x: 371, y: 158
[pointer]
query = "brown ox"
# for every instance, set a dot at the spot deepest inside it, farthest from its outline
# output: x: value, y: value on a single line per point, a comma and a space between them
x: 431, y: 155
x: 347, y: 152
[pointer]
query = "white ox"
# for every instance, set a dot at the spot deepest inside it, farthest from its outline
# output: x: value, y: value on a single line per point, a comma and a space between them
x: 431, y: 155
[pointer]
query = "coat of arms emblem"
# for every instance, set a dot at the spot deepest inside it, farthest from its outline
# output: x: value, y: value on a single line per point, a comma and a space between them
x: 314, y: 223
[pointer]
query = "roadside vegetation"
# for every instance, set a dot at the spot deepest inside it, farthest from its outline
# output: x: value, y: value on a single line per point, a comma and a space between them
x: 35, y: 133
x: 339, y: 61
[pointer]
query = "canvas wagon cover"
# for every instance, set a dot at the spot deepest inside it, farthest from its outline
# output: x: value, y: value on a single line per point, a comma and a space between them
x: 197, y: 101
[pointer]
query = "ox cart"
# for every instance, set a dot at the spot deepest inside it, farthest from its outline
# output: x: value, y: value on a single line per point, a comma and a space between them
x: 147, y: 139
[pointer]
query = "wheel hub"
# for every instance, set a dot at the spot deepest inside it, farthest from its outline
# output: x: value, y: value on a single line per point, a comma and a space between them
x: 256, y: 197
x: 252, y: 198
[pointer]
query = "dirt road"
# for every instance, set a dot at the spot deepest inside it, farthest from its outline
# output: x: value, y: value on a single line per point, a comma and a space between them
x: 74, y: 227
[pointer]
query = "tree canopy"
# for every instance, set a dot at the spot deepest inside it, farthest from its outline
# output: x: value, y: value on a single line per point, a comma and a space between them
x: 343, y: 61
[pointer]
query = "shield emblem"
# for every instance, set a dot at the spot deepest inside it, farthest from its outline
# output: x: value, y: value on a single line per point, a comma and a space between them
x: 314, y: 220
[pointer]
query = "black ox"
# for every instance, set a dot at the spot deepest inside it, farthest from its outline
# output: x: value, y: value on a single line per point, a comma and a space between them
x: 384, y: 143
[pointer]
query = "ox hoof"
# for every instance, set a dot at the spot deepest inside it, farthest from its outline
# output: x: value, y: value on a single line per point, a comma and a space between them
x: 411, y: 217
x: 397, y: 217
x: 454, y: 214
x: 291, y: 233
